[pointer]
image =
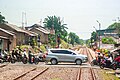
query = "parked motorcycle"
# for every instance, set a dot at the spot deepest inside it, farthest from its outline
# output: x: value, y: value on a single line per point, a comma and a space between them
x: 6, y: 58
x: 94, y: 62
x: 105, y: 63
x: 24, y: 59
x: 38, y: 59
x: 115, y: 65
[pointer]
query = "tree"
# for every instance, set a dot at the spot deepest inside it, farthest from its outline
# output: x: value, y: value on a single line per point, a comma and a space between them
x: 73, y: 38
x: 53, y: 22
x: 88, y: 42
x: 94, y: 37
x: 115, y: 26
x: 2, y: 19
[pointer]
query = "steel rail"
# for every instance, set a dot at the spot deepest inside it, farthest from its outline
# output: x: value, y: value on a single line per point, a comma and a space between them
x: 79, y: 74
x: 24, y: 74
x: 40, y: 73
x: 1, y: 66
x: 89, y: 55
x: 93, y: 74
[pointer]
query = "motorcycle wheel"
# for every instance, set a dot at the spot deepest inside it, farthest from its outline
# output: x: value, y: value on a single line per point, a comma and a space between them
x: 101, y: 66
x: 92, y: 63
x: 1, y: 61
x: 114, y: 67
x: 12, y: 61
x: 36, y: 61
x: 24, y: 61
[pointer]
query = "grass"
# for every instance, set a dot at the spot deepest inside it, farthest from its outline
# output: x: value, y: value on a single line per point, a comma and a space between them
x: 108, y: 76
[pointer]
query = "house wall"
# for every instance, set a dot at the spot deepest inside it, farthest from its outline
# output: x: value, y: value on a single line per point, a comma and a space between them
x: 5, y: 41
x: 43, y: 36
x: 20, y: 36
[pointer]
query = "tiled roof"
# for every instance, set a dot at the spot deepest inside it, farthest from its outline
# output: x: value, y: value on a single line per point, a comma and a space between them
x: 18, y: 29
x: 43, y: 30
x: 15, y: 27
x: 6, y: 31
x: 3, y: 37
x: 40, y: 28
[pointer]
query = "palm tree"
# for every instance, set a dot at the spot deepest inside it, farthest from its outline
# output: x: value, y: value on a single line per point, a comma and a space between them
x: 53, y: 22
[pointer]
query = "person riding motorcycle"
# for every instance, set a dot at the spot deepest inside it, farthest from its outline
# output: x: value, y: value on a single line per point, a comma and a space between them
x: 117, y: 59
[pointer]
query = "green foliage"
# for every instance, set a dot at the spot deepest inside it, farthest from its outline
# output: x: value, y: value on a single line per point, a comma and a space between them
x: 52, y: 40
x: 42, y: 47
x: 2, y: 19
x: 94, y: 36
x: 33, y: 42
x: 108, y: 40
x: 73, y: 38
x: 64, y: 44
x: 115, y: 26
x: 88, y: 41
x: 53, y: 22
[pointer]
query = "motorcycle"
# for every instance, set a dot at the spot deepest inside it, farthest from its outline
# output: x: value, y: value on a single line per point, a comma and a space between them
x: 38, y: 59
x: 105, y: 63
x: 7, y: 58
x: 94, y: 62
x: 24, y: 59
x: 115, y: 65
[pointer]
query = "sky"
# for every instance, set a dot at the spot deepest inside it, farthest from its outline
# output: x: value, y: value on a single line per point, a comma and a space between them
x: 79, y: 15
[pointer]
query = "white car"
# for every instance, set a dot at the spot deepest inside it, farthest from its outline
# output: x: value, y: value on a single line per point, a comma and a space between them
x: 64, y: 55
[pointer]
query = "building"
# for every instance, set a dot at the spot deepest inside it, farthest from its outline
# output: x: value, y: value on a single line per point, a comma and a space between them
x: 107, y: 33
x: 41, y: 31
x: 22, y: 36
x: 7, y: 40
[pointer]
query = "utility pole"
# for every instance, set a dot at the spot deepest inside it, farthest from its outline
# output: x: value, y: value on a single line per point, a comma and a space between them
x: 99, y: 31
x: 96, y: 36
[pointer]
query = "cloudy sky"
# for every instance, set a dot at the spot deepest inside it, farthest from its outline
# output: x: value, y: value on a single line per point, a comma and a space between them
x: 79, y: 15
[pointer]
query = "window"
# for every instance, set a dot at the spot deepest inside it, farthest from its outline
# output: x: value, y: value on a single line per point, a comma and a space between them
x: 61, y: 51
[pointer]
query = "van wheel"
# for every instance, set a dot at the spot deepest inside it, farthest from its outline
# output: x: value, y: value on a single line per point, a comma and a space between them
x: 53, y: 61
x: 78, y: 62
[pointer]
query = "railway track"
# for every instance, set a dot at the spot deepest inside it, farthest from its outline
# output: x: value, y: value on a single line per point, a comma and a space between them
x: 89, y: 75
x: 31, y: 74
x: 3, y: 65
x: 90, y: 57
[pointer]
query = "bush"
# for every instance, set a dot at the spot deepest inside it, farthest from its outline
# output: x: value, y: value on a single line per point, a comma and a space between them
x: 64, y: 44
x: 108, y: 40
x: 42, y: 47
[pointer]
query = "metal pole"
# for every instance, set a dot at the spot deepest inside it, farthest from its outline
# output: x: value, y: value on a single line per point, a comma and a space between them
x: 99, y: 32
x: 96, y: 36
